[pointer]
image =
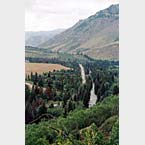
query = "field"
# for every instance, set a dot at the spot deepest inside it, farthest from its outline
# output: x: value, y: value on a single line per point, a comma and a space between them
x: 43, y: 67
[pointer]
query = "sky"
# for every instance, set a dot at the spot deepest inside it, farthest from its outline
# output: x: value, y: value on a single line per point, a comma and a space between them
x: 47, y: 15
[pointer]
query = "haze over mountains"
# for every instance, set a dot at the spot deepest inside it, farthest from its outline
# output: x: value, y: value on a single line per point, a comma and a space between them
x: 96, y: 36
x: 34, y: 39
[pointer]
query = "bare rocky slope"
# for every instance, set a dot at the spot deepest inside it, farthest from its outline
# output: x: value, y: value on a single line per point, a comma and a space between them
x: 96, y: 36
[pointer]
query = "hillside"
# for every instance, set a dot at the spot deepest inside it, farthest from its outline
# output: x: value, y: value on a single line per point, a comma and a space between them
x: 96, y: 36
x: 34, y: 54
x: 36, y: 38
x: 57, y: 110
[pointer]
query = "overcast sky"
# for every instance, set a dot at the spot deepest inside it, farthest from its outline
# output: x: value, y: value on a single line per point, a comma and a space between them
x: 45, y: 15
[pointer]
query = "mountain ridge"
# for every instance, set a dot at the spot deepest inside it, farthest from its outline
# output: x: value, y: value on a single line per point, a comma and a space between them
x: 88, y: 36
x: 35, y: 38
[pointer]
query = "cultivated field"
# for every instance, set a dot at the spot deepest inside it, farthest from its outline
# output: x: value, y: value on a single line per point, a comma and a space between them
x: 43, y: 67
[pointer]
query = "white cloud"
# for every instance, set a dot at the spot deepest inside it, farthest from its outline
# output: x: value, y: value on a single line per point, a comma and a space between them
x: 53, y: 14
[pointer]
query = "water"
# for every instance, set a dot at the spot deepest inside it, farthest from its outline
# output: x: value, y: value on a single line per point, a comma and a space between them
x: 93, y: 97
x: 83, y: 74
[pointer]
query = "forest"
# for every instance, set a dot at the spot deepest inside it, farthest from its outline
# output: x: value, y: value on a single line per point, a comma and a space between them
x: 57, y: 110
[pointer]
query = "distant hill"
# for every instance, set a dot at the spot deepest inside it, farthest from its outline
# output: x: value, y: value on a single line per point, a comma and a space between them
x: 36, y: 38
x: 96, y: 36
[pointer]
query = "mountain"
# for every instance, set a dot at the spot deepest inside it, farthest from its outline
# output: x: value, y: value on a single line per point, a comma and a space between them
x: 36, y: 38
x: 96, y: 36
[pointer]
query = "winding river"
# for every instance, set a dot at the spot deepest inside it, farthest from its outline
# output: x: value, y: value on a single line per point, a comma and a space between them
x: 93, y: 96
x: 83, y: 74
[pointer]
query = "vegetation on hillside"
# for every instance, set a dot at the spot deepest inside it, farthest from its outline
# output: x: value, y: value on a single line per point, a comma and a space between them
x: 57, y: 111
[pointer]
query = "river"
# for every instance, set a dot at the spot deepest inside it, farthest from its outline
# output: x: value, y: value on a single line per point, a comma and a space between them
x: 83, y: 74
x: 93, y: 96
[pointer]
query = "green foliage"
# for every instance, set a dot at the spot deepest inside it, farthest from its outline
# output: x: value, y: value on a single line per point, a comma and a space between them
x: 92, y: 136
x: 114, y: 139
x: 41, y: 141
x: 74, y: 121
x: 56, y: 111
x: 64, y: 103
x: 106, y: 127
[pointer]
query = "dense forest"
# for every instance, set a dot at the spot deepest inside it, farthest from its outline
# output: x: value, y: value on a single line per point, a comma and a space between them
x: 57, y: 108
